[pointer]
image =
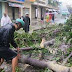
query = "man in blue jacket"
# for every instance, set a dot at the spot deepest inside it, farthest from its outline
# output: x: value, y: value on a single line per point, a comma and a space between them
x: 7, y: 38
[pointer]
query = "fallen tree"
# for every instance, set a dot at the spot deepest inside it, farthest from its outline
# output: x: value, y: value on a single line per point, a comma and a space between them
x: 43, y: 43
x: 43, y: 64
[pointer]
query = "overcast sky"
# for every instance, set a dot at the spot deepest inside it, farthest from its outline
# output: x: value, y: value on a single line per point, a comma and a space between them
x: 66, y: 2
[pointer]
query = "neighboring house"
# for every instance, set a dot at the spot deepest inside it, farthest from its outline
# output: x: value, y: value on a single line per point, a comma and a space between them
x: 12, y: 7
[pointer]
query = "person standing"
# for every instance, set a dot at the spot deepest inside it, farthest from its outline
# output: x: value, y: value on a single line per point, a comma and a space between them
x: 5, y: 19
x: 53, y: 18
x: 42, y: 19
x: 27, y: 22
x: 7, y: 38
x: 47, y: 17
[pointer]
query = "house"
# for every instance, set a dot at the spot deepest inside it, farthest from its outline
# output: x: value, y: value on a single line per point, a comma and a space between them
x: 12, y: 7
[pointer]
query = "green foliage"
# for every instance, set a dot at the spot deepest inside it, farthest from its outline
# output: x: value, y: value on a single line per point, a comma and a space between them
x: 68, y: 29
x: 53, y: 3
x: 24, y: 40
x: 47, y: 70
x: 69, y: 50
x: 2, y: 70
x: 68, y: 25
x: 56, y: 58
x: 69, y: 37
x: 18, y: 69
x: 50, y: 1
x: 70, y: 62
x: 69, y: 21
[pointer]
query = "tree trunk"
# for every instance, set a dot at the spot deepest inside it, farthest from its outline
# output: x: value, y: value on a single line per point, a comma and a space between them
x: 29, y: 48
x: 42, y: 64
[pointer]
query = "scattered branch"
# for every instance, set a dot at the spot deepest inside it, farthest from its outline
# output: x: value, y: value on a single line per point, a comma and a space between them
x: 65, y: 60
